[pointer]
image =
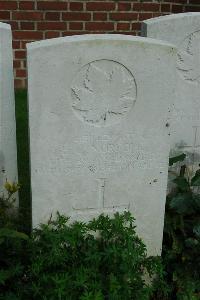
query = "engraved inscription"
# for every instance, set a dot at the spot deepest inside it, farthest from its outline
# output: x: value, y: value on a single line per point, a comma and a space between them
x: 188, y: 58
x: 104, y: 155
x: 103, y: 92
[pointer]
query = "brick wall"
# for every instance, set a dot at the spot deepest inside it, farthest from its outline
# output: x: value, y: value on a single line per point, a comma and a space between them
x: 33, y: 20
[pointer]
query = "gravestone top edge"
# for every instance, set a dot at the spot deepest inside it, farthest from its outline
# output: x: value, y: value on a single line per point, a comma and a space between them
x: 171, y: 17
x: 98, y: 37
x: 5, y: 26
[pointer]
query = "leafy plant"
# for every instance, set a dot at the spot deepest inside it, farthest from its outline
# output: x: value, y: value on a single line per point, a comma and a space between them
x: 8, y: 212
x: 11, y: 240
x: 181, y: 244
x: 103, y: 259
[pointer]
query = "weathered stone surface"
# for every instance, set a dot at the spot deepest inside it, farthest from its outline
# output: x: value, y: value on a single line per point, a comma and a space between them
x: 98, y: 109
x: 183, y: 30
x: 8, y: 150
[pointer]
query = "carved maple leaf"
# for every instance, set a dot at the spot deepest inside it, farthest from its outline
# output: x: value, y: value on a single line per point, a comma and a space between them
x: 189, y: 58
x: 106, y: 90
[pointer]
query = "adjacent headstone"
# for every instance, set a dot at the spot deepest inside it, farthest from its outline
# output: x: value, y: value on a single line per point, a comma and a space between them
x: 8, y: 150
x: 183, y: 30
x: 98, y: 111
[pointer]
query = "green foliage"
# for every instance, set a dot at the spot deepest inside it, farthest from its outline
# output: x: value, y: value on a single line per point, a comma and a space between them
x: 11, y: 242
x: 8, y: 213
x: 103, y: 259
x: 181, y: 245
x: 176, y: 159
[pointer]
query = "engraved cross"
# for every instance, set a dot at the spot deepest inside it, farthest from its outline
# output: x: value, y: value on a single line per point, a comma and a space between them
x: 102, y: 207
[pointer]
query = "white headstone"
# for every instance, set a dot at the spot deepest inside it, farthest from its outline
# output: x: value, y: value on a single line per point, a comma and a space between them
x: 183, y: 30
x: 8, y: 150
x: 98, y: 109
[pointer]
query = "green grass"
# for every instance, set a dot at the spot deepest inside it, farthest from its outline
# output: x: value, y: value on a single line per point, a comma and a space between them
x: 23, y: 158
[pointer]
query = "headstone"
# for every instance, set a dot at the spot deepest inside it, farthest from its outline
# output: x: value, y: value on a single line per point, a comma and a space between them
x: 8, y: 150
x: 98, y: 109
x: 183, y: 30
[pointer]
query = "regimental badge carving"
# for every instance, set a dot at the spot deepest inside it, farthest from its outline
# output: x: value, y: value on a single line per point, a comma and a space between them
x: 188, y: 58
x: 103, y: 92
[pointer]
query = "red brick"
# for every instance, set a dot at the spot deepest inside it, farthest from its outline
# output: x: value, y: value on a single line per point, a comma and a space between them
x: 192, y: 8
x: 27, y: 15
x: 68, y: 33
x: 21, y: 73
x: 145, y: 16
x: 52, y: 16
x: 177, y: 8
x: 99, y: 16
x: 52, y: 34
x: 23, y: 44
x: 165, y: 7
x: 76, y: 26
x: 99, y: 26
x: 124, y: 6
x: 51, y: 25
x: 26, y: 5
x: 24, y: 62
x: 137, y: 6
x: 76, y: 6
x: 123, y: 26
x: 178, y: 1
x: 47, y: 5
x: 123, y: 16
x: 151, y: 6
x: 76, y: 16
x: 4, y: 15
x: 20, y: 53
x: 27, y: 35
x: 27, y: 25
x: 146, y: 6
x: 16, y: 64
x: 194, y: 2
x: 155, y: 15
x: 100, y: 6
x: 136, y: 26
x: 16, y: 44
x: 10, y: 5
x: 14, y: 25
